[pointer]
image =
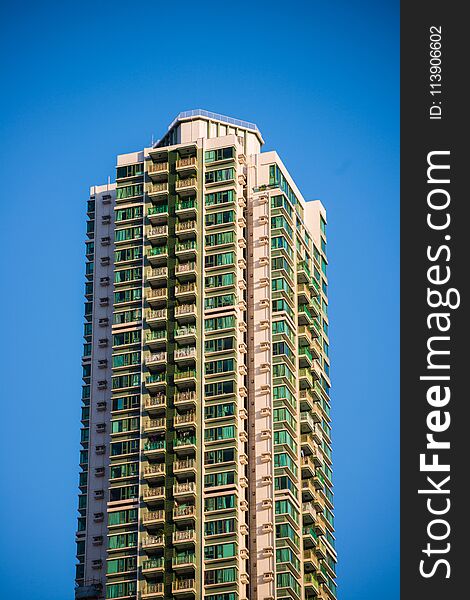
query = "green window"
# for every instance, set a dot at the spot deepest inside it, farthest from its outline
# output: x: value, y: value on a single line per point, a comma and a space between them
x: 124, y: 470
x: 219, y: 301
x: 221, y: 388
x: 121, y: 517
x: 218, y: 344
x: 219, y: 260
x: 282, y: 414
x: 127, y: 447
x: 128, y: 337
x: 130, y: 233
x: 128, y: 254
x: 126, y: 403
x: 218, y: 479
x: 126, y: 214
x: 219, y: 239
x: 122, y: 540
x: 219, y: 154
x: 129, y: 191
x: 281, y: 223
x: 282, y: 202
x: 284, y: 460
x: 216, y: 198
x: 282, y: 436
x: 219, y: 433
x: 219, y: 323
x: 282, y: 306
x: 220, y: 175
x: 123, y: 425
x: 218, y: 411
x: 285, y: 555
x: 219, y: 366
x: 220, y: 551
x: 130, y: 170
x: 219, y: 576
x: 218, y: 281
x: 119, y: 590
x: 126, y: 360
x: 131, y: 295
x: 285, y: 530
x: 280, y: 242
x: 214, y: 457
x: 285, y: 507
x: 287, y: 580
x: 220, y: 218
x: 120, y: 565
x: 219, y: 503
x: 219, y: 527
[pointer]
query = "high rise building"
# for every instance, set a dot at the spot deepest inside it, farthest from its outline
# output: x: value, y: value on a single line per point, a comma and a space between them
x: 206, y: 450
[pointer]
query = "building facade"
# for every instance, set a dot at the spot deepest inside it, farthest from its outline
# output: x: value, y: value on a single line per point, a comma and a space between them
x: 206, y: 450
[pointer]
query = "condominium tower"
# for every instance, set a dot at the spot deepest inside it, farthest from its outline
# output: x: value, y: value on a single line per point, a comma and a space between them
x: 205, y: 448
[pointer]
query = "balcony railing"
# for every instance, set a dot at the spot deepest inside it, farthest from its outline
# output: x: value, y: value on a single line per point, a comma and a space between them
x: 182, y: 226
x: 157, y: 210
x: 153, y: 563
x: 183, y: 584
x: 152, y: 540
x: 184, y: 511
x: 189, y: 417
x: 186, y: 162
x: 158, y: 167
x: 187, y: 352
x: 187, y: 535
x: 149, y: 589
x: 189, y: 374
x: 157, y: 188
x: 185, y: 183
x: 156, y: 357
x: 183, y: 488
x: 184, y: 465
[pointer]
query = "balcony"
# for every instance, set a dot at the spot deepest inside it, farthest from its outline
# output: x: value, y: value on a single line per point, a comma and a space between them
x: 186, y: 186
x: 186, y: 229
x: 303, y: 293
x: 151, y: 495
x: 309, y: 536
x: 151, y: 543
x: 153, y: 518
x: 158, y: 214
x: 183, y: 378
x: 157, y: 255
x: 184, y: 587
x: 307, y: 401
x: 305, y: 357
x: 186, y: 250
x: 154, y: 472
x: 158, y: 233
x: 304, y: 315
x: 183, y: 562
x: 184, y: 513
x: 311, y: 560
x: 307, y: 466
x: 151, y: 591
x: 155, y: 404
x: 311, y: 584
x: 185, y: 355
x: 303, y: 272
x: 157, y: 275
x: 186, y: 334
x: 305, y: 336
x: 185, y: 536
x: 185, y: 443
x: 307, y: 424
x: 156, y: 339
x: 187, y: 164
x: 186, y: 291
x: 309, y: 513
x: 305, y: 379
x: 185, y: 313
x: 156, y: 316
x: 158, y: 171
x: 155, y: 448
x: 184, y: 467
x: 185, y: 490
x: 153, y: 566
x: 186, y: 271
x: 154, y: 425
x: 155, y: 382
x: 157, y: 190
x: 157, y: 359
x: 184, y: 419
x: 308, y: 490
x: 308, y: 444
x: 185, y: 399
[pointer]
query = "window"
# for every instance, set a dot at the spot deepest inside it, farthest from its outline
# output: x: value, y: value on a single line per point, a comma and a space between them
x: 130, y: 170
x: 287, y: 580
x: 282, y: 436
x: 131, y: 295
x: 129, y: 191
x: 128, y: 254
x: 218, y: 281
x: 214, y: 457
x: 128, y: 337
x: 124, y: 470
x: 218, y: 479
x: 121, y: 517
x: 282, y: 306
x: 130, y: 233
x: 282, y: 202
x: 219, y: 323
x: 282, y: 370
x: 285, y: 507
x: 123, y: 425
x: 284, y: 483
x: 219, y: 433
x: 219, y: 366
x: 218, y: 344
x: 279, y: 262
x: 123, y: 540
x: 219, y: 527
x: 280, y: 348
x: 285, y: 530
x: 219, y: 503
x: 281, y: 223
x: 218, y: 411
x: 219, y: 260
x: 220, y: 388
x: 217, y: 198
x: 128, y: 447
x: 124, y: 381
x: 282, y: 414
x: 127, y: 316
x: 119, y: 590
x: 219, y: 239
x: 218, y: 576
x: 219, y: 154
x: 280, y: 242
x: 120, y: 565
x: 219, y: 301
x: 220, y: 175
x: 126, y: 214
x: 220, y: 218
x: 126, y: 403
x: 220, y: 551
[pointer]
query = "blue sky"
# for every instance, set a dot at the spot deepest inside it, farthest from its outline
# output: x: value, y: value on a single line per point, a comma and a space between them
x: 85, y: 81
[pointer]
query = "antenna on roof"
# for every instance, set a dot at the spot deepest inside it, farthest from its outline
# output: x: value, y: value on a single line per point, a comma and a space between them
x: 152, y: 140
x: 109, y: 181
